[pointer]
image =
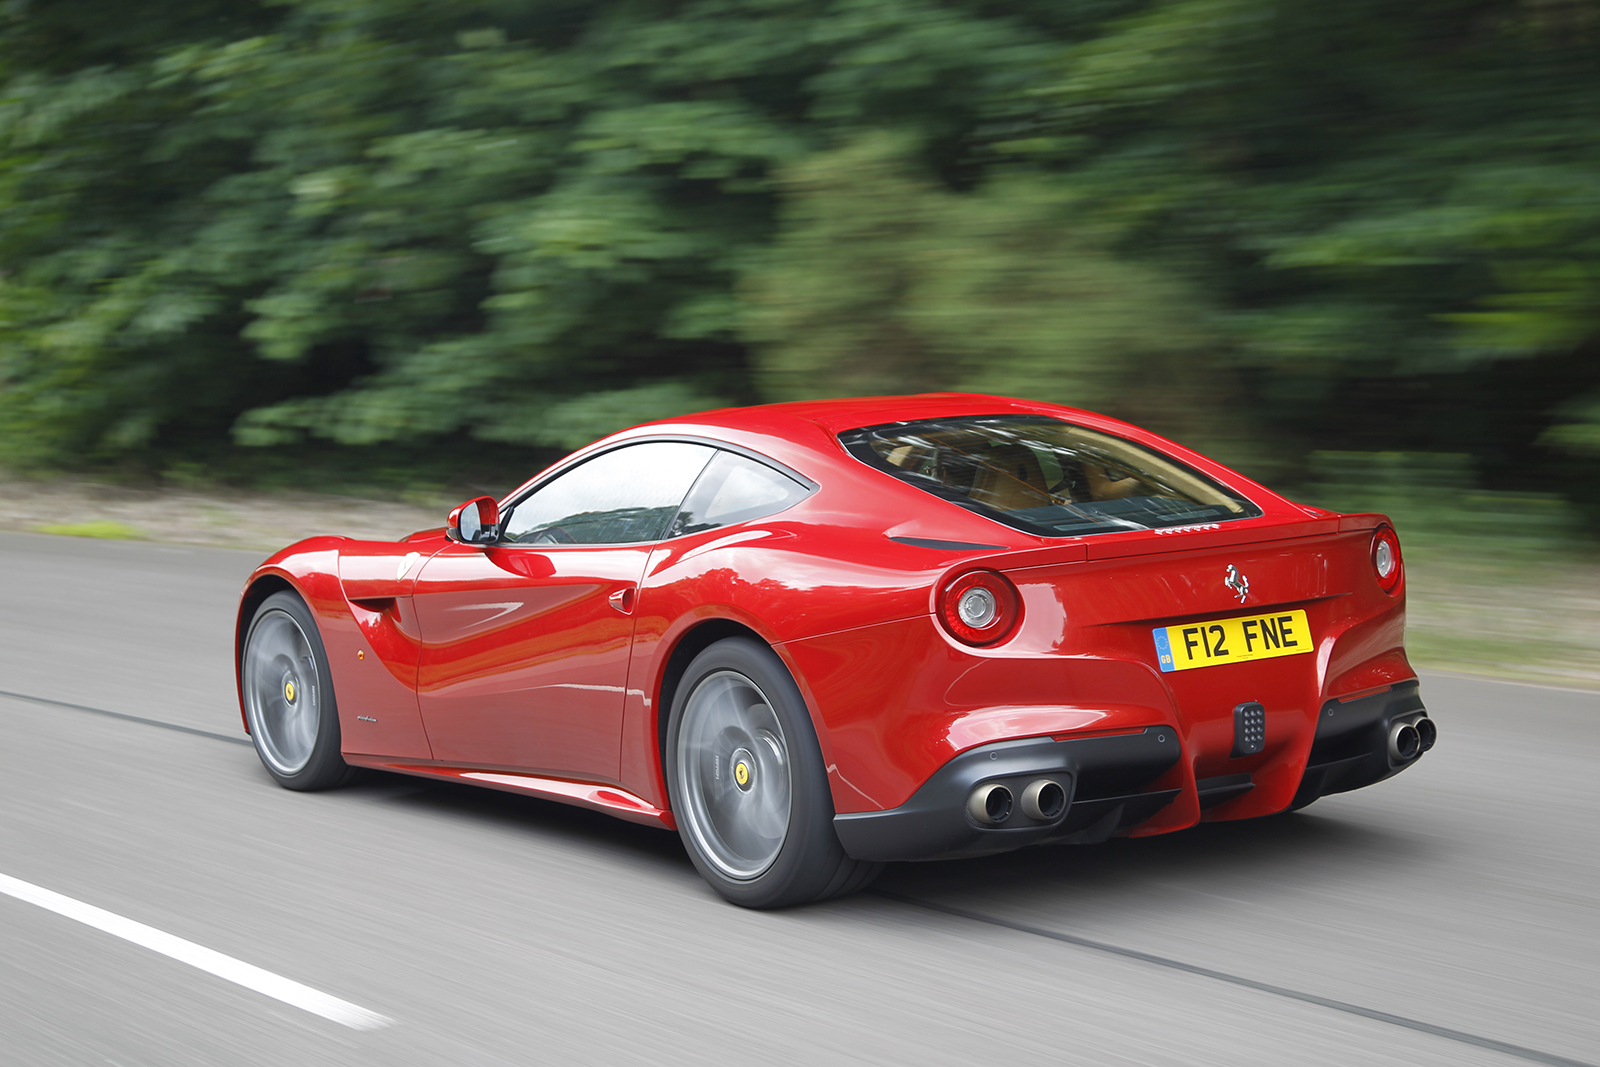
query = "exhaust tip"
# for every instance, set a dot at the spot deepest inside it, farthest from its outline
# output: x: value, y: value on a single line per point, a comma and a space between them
x: 1044, y: 800
x: 1427, y: 733
x: 1404, y: 742
x: 990, y: 804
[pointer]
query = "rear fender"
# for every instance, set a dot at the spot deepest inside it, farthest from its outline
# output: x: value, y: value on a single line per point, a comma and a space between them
x: 661, y: 651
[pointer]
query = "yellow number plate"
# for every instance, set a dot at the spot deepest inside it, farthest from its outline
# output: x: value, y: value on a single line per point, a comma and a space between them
x: 1205, y: 644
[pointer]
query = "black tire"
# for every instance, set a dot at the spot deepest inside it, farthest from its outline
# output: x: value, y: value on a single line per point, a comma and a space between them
x: 738, y: 696
x: 288, y: 697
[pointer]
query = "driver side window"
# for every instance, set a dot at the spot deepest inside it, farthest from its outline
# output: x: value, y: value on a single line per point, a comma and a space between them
x: 624, y: 496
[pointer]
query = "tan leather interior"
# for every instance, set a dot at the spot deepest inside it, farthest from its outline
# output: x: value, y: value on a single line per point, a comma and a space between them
x: 901, y: 456
x: 1103, y: 487
x: 1009, y: 478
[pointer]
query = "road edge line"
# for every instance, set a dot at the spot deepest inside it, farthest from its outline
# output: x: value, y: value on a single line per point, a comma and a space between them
x: 209, y: 960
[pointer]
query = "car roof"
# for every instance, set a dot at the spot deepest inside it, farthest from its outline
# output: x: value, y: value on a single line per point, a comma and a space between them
x: 804, y: 434
x: 836, y: 416
x: 788, y: 431
x: 813, y: 426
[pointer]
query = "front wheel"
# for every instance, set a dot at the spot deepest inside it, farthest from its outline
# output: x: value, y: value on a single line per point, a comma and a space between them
x: 747, y: 782
x: 288, y: 697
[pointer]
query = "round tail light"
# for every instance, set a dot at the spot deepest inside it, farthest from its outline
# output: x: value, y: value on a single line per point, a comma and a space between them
x: 979, y: 607
x: 1386, y: 559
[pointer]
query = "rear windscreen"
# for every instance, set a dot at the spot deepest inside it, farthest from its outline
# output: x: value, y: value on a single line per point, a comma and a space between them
x: 1045, y: 476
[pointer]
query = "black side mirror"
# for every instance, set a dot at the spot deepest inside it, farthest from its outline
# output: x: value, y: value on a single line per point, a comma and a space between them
x: 477, y: 522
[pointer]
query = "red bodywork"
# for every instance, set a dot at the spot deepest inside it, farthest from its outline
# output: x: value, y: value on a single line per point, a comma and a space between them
x: 548, y: 670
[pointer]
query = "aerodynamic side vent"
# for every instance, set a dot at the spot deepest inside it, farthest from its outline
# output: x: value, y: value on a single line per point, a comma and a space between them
x: 1249, y: 729
x: 947, y: 546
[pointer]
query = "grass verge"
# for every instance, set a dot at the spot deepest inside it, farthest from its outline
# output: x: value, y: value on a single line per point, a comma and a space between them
x: 105, y: 529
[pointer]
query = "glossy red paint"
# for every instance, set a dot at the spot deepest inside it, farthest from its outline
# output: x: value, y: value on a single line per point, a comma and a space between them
x: 612, y: 801
x: 524, y: 655
x: 546, y: 669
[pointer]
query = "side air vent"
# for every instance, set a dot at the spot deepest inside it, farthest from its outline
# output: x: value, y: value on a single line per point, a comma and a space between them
x: 947, y: 546
x: 1249, y: 729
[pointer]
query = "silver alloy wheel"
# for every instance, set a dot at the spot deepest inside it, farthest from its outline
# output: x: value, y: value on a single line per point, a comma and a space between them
x: 733, y: 763
x: 282, y: 692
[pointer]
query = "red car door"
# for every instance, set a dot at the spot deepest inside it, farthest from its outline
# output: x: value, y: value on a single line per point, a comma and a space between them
x: 525, y: 653
x: 525, y: 643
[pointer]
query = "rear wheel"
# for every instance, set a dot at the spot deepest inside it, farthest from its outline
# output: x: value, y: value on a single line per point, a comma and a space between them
x: 748, y: 787
x: 288, y: 697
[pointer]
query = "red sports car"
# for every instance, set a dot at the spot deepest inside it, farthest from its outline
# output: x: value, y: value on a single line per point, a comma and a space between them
x: 816, y: 637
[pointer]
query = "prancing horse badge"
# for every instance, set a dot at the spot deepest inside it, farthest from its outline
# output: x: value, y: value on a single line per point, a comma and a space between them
x: 1237, y: 582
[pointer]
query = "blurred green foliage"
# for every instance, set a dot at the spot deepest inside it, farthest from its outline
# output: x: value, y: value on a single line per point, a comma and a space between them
x: 881, y: 278
x: 241, y: 233
x: 1440, y: 511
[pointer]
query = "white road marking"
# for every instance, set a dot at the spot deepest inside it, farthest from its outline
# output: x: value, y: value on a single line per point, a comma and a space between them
x: 208, y: 960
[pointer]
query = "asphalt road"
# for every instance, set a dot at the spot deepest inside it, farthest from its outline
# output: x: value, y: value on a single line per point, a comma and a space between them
x: 1449, y: 916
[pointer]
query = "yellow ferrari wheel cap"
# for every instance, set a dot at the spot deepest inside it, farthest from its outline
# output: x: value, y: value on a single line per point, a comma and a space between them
x: 288, y: 691
x: 741, y: 773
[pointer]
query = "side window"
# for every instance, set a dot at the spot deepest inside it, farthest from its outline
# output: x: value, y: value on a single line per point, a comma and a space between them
x: 736, y: 489
x: 619, y: 497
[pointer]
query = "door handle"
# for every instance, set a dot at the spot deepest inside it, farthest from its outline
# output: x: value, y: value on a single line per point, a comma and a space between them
x: 622, y: 600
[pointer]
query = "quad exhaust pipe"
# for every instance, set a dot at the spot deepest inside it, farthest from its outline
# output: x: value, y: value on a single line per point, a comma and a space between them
x: 991, y: 804
x: 1404, y: 742
x: 1044, y: 800
x: 1427, y: 733
x: 1408, y: 740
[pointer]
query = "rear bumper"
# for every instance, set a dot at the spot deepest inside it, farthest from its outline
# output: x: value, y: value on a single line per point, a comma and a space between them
x: 1352, y: 749
x: 1104, y: 779
x: 1107, y: 783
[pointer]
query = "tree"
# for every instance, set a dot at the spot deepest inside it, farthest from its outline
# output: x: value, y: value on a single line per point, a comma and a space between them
x: 1264, y: 227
